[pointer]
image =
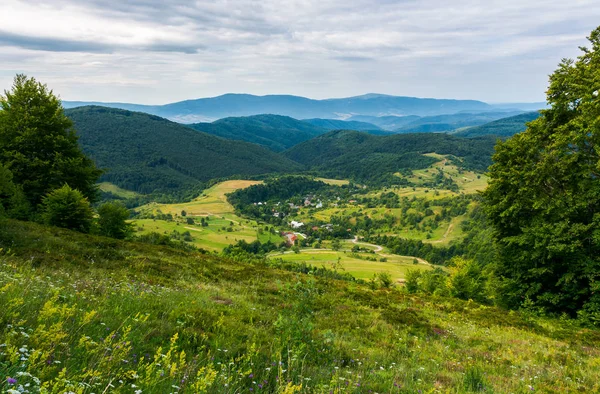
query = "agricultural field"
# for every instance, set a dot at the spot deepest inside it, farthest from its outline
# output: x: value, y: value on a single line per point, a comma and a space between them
x: 222, y: 227
x: 468, y: 182
x: 108, y: 187
x: 334, y: 182
x: 356, y: 264
x: 212, y: 201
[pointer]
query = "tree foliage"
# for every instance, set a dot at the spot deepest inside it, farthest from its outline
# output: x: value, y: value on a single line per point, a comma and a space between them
x: 543, y: 198
x: 67, y: 208
x: 112, y: 220
x: 38, y: 143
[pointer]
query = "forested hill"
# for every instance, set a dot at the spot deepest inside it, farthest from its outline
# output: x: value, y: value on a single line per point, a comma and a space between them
x: 146, y: 153
x: 505, y: 127
x: 275, y: 132
x: 334, y: 124
x: 446, y: 123
x: 364, y: 157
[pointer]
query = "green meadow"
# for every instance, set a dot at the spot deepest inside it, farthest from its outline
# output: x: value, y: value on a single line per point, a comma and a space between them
x: 355, y: 264
x: 85, y: 314
x: 224, y: 227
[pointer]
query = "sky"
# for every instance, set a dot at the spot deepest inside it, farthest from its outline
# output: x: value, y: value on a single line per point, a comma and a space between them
x: 161, y: 51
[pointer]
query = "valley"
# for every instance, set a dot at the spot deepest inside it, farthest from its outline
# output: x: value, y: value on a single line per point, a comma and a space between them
x: 279, y: 244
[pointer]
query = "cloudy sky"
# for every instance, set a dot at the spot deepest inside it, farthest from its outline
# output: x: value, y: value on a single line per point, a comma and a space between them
x: 160, y: 51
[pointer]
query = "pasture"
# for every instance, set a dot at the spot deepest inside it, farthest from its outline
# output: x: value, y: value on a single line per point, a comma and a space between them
x: 354, y: 263
x: 224, y: 227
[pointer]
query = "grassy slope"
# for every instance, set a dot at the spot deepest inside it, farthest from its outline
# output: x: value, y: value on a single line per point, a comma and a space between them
x: 116, y: 190
x: 107, y: 313
x: 212, y: 204
x: 360, y: 268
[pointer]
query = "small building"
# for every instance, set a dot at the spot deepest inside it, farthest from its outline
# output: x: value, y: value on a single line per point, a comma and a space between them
x: 295, y: 224
x: 290, y: 238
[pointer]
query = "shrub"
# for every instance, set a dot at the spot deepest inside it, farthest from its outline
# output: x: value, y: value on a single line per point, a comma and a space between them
x: 112, y: 220
x: 385, y: 279
x: 67, y: 208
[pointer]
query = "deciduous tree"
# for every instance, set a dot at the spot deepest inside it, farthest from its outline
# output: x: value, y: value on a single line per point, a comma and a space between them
x: 543, y: 197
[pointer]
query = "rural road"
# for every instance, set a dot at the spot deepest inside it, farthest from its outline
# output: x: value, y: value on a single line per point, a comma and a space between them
x: 378, y: 248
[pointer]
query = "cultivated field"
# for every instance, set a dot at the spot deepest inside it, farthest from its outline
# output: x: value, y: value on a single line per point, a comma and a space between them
x: 224, y: 227
x: 351, y: 263
x: 116, y: 190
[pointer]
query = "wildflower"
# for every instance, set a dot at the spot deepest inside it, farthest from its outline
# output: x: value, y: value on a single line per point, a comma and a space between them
x: 10, y: 380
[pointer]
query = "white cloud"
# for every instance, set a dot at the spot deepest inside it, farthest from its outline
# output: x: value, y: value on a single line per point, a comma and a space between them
x: 151, y: 51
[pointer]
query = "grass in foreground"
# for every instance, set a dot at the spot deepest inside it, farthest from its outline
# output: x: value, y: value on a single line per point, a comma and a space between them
x: 88, y: 314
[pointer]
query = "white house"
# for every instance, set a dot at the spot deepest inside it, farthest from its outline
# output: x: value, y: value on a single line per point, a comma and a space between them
x: 295, y: 224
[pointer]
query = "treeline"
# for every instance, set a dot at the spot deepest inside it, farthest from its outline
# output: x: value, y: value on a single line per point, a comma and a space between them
x: 373, y: 159
x: 44, y: 175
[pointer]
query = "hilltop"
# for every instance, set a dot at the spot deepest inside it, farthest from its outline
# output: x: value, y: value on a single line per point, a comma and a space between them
x: 368, y: 158
x: 505, y: 127
x: 275, y: 132
x: 145, y: 153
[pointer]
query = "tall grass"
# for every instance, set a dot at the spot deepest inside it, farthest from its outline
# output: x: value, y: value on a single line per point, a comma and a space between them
x: 85, y: 314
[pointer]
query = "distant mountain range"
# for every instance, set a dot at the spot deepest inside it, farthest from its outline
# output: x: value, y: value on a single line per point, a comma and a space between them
x: 234, y: 105
x: 146, y: 153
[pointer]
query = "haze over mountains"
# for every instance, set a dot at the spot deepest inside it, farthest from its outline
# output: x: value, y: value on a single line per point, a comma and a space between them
x: 231, y: 105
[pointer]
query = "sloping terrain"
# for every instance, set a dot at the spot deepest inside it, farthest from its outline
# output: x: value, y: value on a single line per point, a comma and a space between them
x: 505, y: 127
x: 364, y: 157
x: 275, y: 132
x: 145, y: 153
x: 91, y: 314
x: 446, y: 123
x: 333, y: 124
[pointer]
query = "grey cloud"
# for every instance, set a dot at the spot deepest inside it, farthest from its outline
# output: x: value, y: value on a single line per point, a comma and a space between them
x: 67, y: 45
x: 497, y: 50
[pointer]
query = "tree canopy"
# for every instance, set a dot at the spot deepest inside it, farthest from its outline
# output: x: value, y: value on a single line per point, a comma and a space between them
x: 543, y: 197
x: 38, y: 144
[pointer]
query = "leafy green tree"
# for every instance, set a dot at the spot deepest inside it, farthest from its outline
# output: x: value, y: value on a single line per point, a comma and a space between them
x: 112, y: 220
x: 67, y: 208
x: 38, y: 144
x: 12, y: 200
x: 543, y: 198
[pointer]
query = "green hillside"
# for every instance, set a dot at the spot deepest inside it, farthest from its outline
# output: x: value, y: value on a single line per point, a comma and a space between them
x: 90, y: 314
x: 505, y: 127
x: 389, y: 122
x: 334, y: 124
x: 446, y: 123
x: 145, y: 153
x: 275, y: 132
x: 368, y: 158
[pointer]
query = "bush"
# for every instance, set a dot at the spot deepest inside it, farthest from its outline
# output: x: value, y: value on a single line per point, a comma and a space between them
x: 112, y: 220
x: 412, y: 280
x: 67, y: 208
x: 385, y: 279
